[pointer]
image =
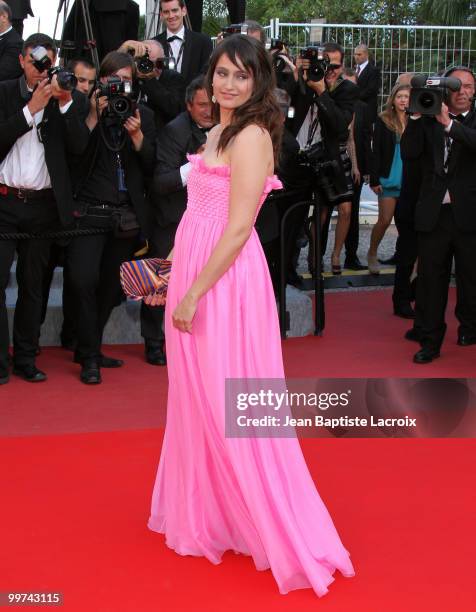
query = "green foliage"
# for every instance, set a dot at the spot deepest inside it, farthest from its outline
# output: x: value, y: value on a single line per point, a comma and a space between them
x: 448, y: 12
x: 437, y: 12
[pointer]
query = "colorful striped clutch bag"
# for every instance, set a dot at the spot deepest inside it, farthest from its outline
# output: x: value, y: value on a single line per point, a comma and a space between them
x: 146, y: 279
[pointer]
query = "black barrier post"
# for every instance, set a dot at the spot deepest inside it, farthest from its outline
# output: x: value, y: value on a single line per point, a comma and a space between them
x: 318, y: 280
x: 319, y: 309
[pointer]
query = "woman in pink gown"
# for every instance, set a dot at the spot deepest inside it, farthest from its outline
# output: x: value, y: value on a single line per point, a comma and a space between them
x: 214, y: 493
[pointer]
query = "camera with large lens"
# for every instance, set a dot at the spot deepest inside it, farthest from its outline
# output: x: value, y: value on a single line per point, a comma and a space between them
x: 318, y: 60
x: 235, y: 28
x: 166, y: 63
x: 144, y: 64
x: 119, y: 95
x: 41, y: 61
x: 429, y: 92
x: 328, y: 175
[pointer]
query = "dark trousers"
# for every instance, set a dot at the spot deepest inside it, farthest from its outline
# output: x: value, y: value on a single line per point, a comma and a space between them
x: 93, y: 264
x: 406, y: 251
x: 68, y: 329
x: 34, y: 216
x: 436, y: 250
x: 352, y: 240
x: 152, y: 317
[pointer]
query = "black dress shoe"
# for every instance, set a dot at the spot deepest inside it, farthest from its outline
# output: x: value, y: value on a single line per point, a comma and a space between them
x: 90, y: 373
x: 465, y: 340
x: 425, y: 355
x: 404, y: 310
x: 354, y: 264
x: 391, y: 261
x: 103, y: 361
x: 413, y: 334
x: 30, y: 373
x: 155, y: 355
x: 110, y: 362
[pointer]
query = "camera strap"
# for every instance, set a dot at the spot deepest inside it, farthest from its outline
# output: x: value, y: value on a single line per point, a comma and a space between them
x: 121, y: 177
x: 313, y: 124
x: 180, y: 53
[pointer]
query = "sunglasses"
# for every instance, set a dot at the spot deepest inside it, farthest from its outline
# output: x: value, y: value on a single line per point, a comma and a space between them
x: 334, y: 66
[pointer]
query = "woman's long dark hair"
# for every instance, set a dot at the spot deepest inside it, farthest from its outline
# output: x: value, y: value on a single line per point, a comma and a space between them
x: 262, y: 108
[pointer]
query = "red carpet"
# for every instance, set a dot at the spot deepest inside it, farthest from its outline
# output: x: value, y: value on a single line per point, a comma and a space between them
x: 75, y: 504
x: 75, y: 508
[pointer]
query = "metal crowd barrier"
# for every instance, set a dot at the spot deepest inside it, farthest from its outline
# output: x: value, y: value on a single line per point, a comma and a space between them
x: 319, y: 306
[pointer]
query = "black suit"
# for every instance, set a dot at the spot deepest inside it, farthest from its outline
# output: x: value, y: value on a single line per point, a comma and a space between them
x: 165, y: 95
x: 368, y: 83
x: 362, y: 137
x: 169, y: 201
x: 60, y: 134
x: 445, y: 230
x: 20, y: 11
x: 10, y: 48
x: 196, y: 53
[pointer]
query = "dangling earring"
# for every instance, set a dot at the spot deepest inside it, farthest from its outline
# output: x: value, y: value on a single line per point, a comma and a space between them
x: 214, y: 100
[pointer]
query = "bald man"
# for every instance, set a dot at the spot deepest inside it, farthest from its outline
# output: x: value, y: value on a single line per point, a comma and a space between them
x: 368, y: 79
x: 162, y: 90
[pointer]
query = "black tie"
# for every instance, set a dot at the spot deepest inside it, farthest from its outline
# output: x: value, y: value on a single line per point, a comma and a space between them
x: 172, y: 38
x: 459, y: 117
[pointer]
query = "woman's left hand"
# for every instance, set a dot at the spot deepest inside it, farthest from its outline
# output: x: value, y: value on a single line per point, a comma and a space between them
x: 182, y: 316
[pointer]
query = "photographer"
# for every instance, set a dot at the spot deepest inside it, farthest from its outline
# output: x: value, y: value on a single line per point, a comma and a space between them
x: 324, y: 107
x: 39, y: 124
x: 85, y: 72
x: 185, y: 134
x: 445, y: 215
x: 109, y: 188
x: 161, y: 89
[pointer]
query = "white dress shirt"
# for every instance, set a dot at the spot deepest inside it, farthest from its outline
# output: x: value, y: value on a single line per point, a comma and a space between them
x: 362, y: 67
x: 176, y: 45
x: 447, y: 198
x: 25, y: 165
x: 303, y: 134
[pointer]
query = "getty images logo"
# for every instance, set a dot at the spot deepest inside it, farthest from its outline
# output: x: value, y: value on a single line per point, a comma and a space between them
x: 277, y: 400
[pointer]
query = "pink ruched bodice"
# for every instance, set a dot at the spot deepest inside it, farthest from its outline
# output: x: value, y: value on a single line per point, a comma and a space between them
x: 209, y: 189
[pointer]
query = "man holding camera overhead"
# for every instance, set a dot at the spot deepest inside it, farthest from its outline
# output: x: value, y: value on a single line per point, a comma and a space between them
x: 39, y: 124
x: 445, y: 216
x: 109, y: 190
x: 161, y: 87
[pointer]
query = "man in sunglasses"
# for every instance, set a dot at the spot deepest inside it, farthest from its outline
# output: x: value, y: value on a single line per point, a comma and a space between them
x: 323, y: 113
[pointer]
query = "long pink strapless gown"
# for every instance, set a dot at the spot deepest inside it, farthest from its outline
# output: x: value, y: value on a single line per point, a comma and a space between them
x: 250, y: 495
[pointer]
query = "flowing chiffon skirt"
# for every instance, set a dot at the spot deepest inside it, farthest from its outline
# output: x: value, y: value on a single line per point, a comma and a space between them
x: 212, y: 493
